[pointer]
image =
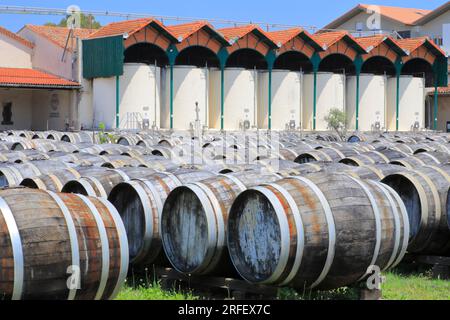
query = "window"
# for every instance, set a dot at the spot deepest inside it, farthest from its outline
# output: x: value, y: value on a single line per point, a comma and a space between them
x: 359, y: 26
x: 438, y: 41
x: 7, y: 114
x: 405, y: 34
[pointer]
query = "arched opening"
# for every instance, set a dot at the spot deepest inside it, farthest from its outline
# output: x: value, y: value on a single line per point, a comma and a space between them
x: 293, y: 61
x: 197, y: 56
x: 419, y: 68
x: 337, y: 63
x: 378, y: 65
x: 146, y: 53
x: 246, y: 58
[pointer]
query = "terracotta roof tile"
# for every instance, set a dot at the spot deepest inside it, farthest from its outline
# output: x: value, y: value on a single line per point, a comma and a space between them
x: 58, y: 35
x: 29, y: 78
x: 16, y: 37
x: 327, y: 39
x: 444, y: 90
x: 128, y: 26
x: 403, y: 15
x: 371, y: 42
x: 238, y: 32
x: 412, y: 44
x: 186, y: 29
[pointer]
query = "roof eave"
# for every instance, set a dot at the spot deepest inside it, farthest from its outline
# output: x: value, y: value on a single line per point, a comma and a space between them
x: 39, y: 86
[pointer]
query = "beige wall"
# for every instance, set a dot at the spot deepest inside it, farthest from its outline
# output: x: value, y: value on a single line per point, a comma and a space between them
x: 14, y: 54
x: 443, y: 112
x: 48, y: 56
x: 386, y: 24
x: 21, y: 108
x: 433, y: 28
x: 50, y: 108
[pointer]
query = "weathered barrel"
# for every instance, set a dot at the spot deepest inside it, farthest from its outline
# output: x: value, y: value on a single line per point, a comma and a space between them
x: 13, y: 174
x: 78, y: 137
x: 383, y: 155
x: 140, y: 203
x: 424, y: 192
x: 422, y: 159
x: 50, y: 240
x: 194, y: 218
x: 22, y: 156
x: 329, y: 154
x: 320, y: 232
x: 54, y: 135
x: 56, y: 180
x: 129, y: 140
x: 119, y: 161
x: 100, y: 183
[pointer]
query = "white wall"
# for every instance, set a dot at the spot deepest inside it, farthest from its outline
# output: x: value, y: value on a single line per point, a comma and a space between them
x: 21, y: 108
x: 372, y: 101
x: 386, y: 24
x: 286, y: 99
x: 48, y: 56
x: 51, y: 109
x: 14, y: 54
x: 104, y: 101
x: 140, y: 88
x: 434, y: 28
x: 330, y: 95
x: 412, y: 103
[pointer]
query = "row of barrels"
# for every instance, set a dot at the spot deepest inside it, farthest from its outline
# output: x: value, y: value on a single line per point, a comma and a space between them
x: 60, y: 246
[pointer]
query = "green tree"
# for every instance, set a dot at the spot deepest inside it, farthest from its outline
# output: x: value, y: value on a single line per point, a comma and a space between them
x: 336, y: 120
x: 87, y: 22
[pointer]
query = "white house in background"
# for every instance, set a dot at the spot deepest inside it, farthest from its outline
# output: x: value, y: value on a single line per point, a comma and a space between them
x: 366, y: 19
x: 58, y: 51
x: 31, y: 97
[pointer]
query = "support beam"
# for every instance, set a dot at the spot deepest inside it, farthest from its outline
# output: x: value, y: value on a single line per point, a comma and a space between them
x: 270, y: 100
x: 397, y: 102
x: 315, y: 60
x: 435, y: 113
x: 171, y: 95
x: 222, y: 96
x: 358, y: 66
x: 117, y: 102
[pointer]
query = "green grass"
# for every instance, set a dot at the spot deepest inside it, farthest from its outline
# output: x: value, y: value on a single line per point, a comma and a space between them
x: 399, y: 285
x: 152, y: 292
x: 420, y: 286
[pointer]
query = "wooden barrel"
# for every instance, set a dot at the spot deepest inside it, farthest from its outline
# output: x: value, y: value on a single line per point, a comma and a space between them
x: 140, y: 203
x: 424, y: 192
x: 48, y: 239
x: 22, y: 156
x: 129, y: 140
x: 54, y: 135
x: 170, y: 142
x: 194, y: 219
x: 157, y: 163
x: 376, y: 156
x: 13, y: 174
x: 55, y: 181
x: 78, y: 137
x: 99, y: 183
x: 329, y: 154
x: 319, y: 232
x: 119, y: 161
x: 422, y: 159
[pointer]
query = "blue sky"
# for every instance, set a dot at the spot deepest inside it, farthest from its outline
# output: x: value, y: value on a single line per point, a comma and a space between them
x: 296, y: 12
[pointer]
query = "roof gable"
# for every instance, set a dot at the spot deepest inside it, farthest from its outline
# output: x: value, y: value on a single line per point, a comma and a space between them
x: 130, y: 27
x: 434, y: 14
x: 284, y: 36
x: 402, y: 15
x: 16, y: 37
x: 183, y: 31
x: 59, y: 35
x: 235, y: 33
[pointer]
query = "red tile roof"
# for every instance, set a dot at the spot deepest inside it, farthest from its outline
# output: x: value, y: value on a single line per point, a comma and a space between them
x: 434, y: 14
x: 412, y: 44
x: 406, y: 16
x: 284, y: 36
x: 16, y: 37
x: 235, y: 33
x: 59, y: 35
x: 29, y: 78
x: 238, y: 32
x: 186, y: 29
x: 371, y: 42
x: 444, y: 90
x: 403, y: 15
x: 128, y: 27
